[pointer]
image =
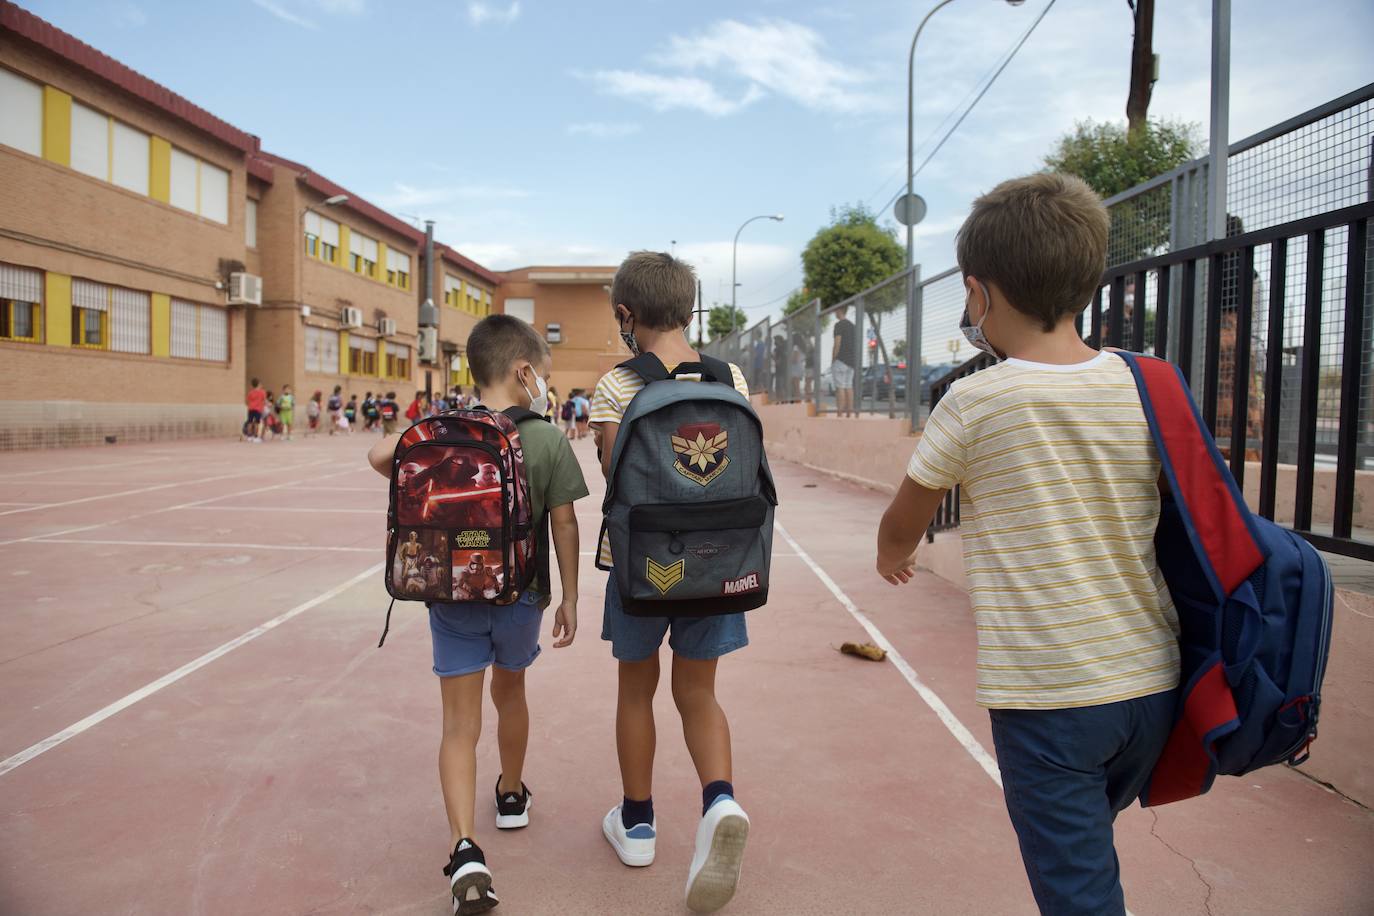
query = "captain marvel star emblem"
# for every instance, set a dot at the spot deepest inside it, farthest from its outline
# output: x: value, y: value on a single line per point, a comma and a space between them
x: 700, y: 449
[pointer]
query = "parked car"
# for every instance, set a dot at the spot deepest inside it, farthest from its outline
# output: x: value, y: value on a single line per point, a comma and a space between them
x: 881, y: 378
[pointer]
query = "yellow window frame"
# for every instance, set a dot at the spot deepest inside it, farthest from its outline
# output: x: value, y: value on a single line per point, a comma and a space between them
x: 11, y: 308
x: 79, y: 329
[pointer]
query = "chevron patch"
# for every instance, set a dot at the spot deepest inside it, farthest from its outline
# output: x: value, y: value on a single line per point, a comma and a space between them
x: 664, y: 578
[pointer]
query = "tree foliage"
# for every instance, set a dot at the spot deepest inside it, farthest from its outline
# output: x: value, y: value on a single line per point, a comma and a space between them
x: 1111, y: 160
x: 797, y: 300
x: 849, y: 255
x: 724, y: 320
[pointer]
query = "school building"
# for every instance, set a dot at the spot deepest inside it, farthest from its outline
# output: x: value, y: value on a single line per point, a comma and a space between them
x: 154, y: 258
x: 571, y: 307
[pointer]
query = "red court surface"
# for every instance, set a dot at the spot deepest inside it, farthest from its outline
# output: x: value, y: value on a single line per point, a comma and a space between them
x: 293, y: 769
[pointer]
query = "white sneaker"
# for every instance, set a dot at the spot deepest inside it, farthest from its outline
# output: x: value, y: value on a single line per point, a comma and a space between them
x: 634, y: 846
x: 721, y: 836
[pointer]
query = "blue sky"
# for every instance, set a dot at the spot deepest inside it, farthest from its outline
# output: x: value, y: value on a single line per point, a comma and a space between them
x: 558, y: 132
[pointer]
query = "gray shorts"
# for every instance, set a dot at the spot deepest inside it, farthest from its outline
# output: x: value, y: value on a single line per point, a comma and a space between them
x: 470, y: 636
x: 634, y: 639
x: 842, y: 374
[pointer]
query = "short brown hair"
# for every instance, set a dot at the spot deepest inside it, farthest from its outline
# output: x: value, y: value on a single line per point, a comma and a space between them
x: 1042, y: 239
x: 497, y: 342
x: 657, y: 288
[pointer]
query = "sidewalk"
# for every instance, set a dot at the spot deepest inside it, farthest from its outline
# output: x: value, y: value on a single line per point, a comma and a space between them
x: 295, y: 773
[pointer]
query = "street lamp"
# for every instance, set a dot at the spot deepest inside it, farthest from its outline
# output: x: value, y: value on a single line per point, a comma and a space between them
x: 734, y: 252
x: 910, y: 97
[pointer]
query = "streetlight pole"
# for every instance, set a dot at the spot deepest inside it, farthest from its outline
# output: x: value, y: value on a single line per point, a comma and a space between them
x: 734, y: 252
x: 910, y: 108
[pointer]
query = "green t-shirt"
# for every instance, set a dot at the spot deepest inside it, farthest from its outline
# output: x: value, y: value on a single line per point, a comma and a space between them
x: 555, y: 480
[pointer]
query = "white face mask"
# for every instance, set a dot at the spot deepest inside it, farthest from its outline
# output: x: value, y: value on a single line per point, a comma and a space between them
x: 973, y: 333
x: 540, y: 404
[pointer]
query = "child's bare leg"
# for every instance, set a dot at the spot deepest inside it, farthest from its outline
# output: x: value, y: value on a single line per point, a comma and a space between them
x: 703, y: 721
x: 458, y: 750
x: 635, y: 737
x: 512, y: 726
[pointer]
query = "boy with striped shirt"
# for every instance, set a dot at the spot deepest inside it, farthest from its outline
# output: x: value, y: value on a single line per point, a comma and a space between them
x: 652, y: 297
x: 1078, y: 659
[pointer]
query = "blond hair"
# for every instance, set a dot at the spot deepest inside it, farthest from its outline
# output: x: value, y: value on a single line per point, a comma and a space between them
x: 657, y: 288
x: 1042, y: 239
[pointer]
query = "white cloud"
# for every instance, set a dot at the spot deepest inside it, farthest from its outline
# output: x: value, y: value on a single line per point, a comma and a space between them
x: 481, y: 13
x: 404, y: 196
x: 772, y: 57
x: 284, y: 14
x: 129, y: 15
x: 664, y: 93
x: 602, y: 129
x: 346, y: 7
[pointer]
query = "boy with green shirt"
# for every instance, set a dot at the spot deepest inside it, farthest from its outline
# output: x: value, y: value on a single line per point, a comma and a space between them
x: 511, y: 364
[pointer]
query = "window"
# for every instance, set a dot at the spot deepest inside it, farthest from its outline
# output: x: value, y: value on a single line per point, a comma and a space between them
x: 312, y: 234
x: 362, y: 355
x: 199, y: 331
x: 21, y: 113
x: 129, y: 157
x: 110, y: 317
x: 90, y: 306
x: 453, y: 291
x: 397, y: 361
x: 362, y: 254
x: 329, y: 240
x: 183, y: 180
x: 522, y: 309
x: 250, y: 224
x: 398, y: 268
x: 21, y: 298
x: 199, y: 187
x: 90, y: 142
x: 321, y: 350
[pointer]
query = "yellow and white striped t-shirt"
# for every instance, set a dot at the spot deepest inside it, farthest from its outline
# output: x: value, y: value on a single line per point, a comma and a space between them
x: 1060, y: 505
x: 613, y: 395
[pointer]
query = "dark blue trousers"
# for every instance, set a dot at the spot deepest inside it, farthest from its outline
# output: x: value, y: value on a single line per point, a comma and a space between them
x: 1066, y: 773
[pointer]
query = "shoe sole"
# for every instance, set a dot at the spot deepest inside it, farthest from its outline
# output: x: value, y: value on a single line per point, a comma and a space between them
x: 632, y: 859
x: 464, y: 882
x: 713, y: 886
x: 514, y: 821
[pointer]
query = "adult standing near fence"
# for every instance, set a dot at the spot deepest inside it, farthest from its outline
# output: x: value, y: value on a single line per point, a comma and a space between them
x: 844, y: 359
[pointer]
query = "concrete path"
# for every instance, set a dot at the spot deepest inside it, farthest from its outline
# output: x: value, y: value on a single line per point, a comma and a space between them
x: 197, y: 720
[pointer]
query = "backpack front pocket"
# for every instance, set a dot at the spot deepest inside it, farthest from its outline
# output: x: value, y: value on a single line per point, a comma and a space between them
x: 707, y: 553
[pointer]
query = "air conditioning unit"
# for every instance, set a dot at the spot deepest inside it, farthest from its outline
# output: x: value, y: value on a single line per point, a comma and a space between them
x: 427, y: 343
x: 351, y: 317
x: 386, y: 327
x: 245, y: 289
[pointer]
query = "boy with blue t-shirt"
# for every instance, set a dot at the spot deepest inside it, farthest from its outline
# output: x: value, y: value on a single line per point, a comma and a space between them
x: 652, y: 296
x: 511, y: 364
x: 1078, y: 659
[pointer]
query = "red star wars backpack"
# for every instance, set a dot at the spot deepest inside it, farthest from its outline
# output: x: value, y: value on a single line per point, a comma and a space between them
x: 1254, y: 605
x: 459, y: 525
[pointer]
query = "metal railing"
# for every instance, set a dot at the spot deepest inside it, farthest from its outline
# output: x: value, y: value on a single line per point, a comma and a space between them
x: 1282, y: 374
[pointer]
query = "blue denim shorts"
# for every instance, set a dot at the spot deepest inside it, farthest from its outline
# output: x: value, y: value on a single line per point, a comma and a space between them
x: 633, y: 639
x: 470, y: 637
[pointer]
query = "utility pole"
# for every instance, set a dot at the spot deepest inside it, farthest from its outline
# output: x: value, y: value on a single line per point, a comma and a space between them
x: 1221, y: 119
x: 1144, y: 67
x: 427, y: 340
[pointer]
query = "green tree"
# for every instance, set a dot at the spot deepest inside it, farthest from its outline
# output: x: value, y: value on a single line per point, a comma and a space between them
x: 849, y: 255
x: 1112, y: 160
x: 722, y: 320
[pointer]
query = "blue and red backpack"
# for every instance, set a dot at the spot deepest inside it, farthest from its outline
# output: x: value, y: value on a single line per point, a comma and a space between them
x: 1254, y: 604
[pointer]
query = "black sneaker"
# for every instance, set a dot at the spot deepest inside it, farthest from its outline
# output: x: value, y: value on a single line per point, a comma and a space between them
x: 469, y: 879
x: 512, y: 810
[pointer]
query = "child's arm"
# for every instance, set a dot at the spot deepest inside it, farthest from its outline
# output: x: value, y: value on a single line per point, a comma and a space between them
x: 563, y: 529
x: 607, y: 446
x: 381, y: 454
x: 903, y: 525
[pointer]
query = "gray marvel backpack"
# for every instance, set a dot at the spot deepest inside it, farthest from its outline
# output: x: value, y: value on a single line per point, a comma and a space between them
x: 689, y: 499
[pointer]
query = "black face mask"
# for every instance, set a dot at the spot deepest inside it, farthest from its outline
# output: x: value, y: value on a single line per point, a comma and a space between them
x: 628, y: 337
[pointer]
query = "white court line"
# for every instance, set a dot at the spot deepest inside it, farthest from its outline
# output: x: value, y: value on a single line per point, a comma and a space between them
x: 129, y: 518
x: 161, y: 486
x: 306, y: 547
x: 951, y: 722
x: 87, y: 467
x: 381, y: 488
x: 276, y: 509
x: 170, y: 678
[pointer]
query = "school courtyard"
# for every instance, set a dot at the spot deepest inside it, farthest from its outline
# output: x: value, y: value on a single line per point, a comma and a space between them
x: 197, y: 720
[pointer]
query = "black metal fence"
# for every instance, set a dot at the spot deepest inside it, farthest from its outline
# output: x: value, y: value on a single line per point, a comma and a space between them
x: 1283, y: 378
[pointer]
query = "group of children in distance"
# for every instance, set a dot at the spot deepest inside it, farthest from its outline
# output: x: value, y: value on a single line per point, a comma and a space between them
x: 269, y: 416
x: 1078, y: 657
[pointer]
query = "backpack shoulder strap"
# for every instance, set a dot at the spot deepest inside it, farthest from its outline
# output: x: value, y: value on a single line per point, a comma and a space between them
x: 650, y: 368
x: 1212, y: 508
x: 647, y: 366
x: 519, y: 415
x: 716, y: 370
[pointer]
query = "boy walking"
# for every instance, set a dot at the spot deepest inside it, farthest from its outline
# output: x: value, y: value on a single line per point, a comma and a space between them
x: 652, y: 297
x: 1078, y: 659
x: 511, y: 362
